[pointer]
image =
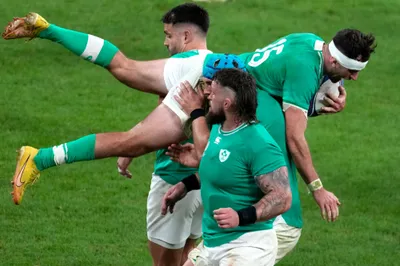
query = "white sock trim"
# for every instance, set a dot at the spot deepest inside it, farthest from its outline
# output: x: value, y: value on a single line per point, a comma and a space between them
x: 93, y: 48
x: 59, y: 154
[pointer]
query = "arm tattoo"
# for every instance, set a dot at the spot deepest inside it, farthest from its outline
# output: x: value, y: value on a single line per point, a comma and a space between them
x: 277, y: 198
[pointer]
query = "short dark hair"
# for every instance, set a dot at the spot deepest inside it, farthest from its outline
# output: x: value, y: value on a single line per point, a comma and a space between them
x: 354, y: 43
x: 244, y: 85
x: 188, y: 13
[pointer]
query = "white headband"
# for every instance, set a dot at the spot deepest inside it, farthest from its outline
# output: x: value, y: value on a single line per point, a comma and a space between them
x: 344, y: 60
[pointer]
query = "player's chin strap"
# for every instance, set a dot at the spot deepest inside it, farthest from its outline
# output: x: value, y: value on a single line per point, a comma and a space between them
x: 345, y: 61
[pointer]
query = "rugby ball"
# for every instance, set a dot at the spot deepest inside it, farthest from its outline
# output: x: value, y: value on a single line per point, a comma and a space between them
x: 327, y: 86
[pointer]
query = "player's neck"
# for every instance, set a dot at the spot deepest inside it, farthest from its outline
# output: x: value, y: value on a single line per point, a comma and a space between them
x: 231, y: 122
x: 197, y: 45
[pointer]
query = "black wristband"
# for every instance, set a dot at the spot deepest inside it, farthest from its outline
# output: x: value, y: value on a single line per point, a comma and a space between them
x: 196, y: 113
x: 191, y: 183
x: 247, y: 215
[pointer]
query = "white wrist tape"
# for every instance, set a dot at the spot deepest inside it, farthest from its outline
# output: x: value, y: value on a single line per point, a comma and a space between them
x: 315, y: 185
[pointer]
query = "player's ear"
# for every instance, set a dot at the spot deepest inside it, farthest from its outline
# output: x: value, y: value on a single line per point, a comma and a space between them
x: 333, y: 62
x: 227, y: 103
x: 188, y: 36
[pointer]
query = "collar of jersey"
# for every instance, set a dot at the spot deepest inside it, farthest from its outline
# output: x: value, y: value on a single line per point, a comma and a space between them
x: 233, y: 131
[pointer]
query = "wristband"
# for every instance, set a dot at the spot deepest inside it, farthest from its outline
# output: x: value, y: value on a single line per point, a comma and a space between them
x: 247, y: 216
x: 196, y: 113
x: 315, y: 185
x: 191, y: 183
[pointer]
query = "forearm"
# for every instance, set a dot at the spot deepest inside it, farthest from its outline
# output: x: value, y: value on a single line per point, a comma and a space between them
x: 277, y: 198
x: 301, y: 155
x: 201, y: 134
x: 273, y: 204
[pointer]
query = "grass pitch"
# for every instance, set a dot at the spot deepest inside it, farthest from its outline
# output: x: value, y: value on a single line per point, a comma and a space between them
x: 86, y: 214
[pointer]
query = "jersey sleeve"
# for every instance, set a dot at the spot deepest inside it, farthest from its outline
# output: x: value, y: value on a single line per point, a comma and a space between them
x: 301, y: 83
x: 266, y: 158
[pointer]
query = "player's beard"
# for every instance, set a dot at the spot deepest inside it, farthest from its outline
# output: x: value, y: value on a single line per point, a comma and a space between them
x: 215, y: 118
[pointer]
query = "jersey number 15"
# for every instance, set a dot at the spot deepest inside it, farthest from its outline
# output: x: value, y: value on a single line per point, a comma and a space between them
x: 262, y: 54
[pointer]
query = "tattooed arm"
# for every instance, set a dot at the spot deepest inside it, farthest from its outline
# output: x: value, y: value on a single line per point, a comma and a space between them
x: 277, y: 198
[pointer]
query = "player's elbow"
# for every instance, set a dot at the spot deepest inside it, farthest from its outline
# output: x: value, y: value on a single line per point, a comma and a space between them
x: 120, y: 61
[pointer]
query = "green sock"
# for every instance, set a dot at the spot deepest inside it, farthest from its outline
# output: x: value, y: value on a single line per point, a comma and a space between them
x: 90, y: 47
x: 74, y: 151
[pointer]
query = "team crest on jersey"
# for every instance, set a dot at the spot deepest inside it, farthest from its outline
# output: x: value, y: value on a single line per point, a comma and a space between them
x: 224, y: 155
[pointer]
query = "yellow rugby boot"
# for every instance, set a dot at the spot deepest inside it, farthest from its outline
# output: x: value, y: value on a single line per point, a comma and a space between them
x: 25, y: 173
x: 26, y: 27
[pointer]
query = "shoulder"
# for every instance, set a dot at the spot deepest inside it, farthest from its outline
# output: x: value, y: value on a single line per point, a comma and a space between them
x: 258, y: 138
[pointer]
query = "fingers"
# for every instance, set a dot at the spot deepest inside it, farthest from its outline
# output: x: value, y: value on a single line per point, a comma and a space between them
x: 335, y: 207
x: 122, y: 166
x: 174, y: 147
x: 188, y: 146
x: 221, y: 211
x: 221, y: 214
x: 323, y: 213
x: 167, y: 202
x: 225, y: 224
x: 164, y: 207
x: 178, y: 98
x: 337, y: 103
x: 342, y: 92
x: 124, y: 172
x: 335, y: 212
x: 334, y: 102
x: 164, y: 204
x: 328, y: 213
x: 224, y: 218
x: 331, y: 99
x: 335, y: 203
x: 183, y: 95
x: 331, y: 210
x: 171, y: 208
x: 185, y: 87
x: 173, y: 153
x: 327, y: 110
x: 173, y: 157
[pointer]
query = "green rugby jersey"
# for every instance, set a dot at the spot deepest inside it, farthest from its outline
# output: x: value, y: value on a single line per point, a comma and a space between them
x: 290, y: 68
x: 229, y: 164
x: 270, y: 115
